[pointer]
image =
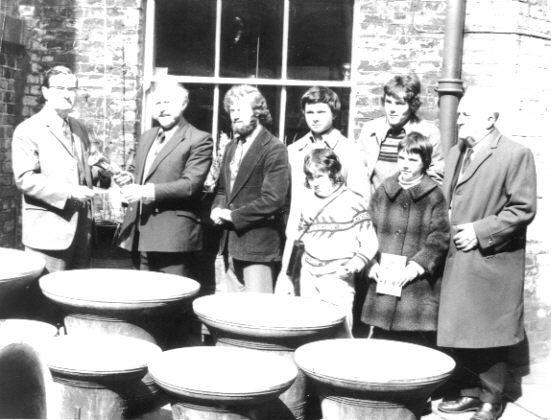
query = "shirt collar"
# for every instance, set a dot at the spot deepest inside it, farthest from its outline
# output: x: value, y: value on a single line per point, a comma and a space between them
x: 331, y: 139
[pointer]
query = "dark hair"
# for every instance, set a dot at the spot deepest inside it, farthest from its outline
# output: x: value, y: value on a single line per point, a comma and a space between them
x: 408, y: 87
x: 54, y: 71
x: 321, y: 94
x: 257, y: 101
x: 325, y: 161
x: 416, y: 143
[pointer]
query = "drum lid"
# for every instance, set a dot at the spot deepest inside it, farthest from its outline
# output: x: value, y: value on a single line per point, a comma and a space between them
x: 25, y: 330
x: 222, y: 373
x: 98, y: 355
x: 17, y: 264
x: 266, y: 311
x: 372, y: 361
x: 117, y: 286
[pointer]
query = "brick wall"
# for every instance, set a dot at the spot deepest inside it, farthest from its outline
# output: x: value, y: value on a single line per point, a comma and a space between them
x: 12, y: 62
x: 508, y: 46
x: 101, y: 41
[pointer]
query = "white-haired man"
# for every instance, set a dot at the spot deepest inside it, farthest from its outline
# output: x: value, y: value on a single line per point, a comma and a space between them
x: 490, y: 184
x: 162, y: 227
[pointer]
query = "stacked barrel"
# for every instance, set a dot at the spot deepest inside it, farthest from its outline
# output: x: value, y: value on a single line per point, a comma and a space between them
x: 274, y: 357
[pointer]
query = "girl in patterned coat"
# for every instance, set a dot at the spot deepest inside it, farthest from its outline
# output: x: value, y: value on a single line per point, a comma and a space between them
x: 340, y: 241
x: 410, y: 216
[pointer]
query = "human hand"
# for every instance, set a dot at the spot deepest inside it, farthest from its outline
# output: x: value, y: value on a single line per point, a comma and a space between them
x: 215, y: 216
x: 134, y: 192
x: 81, y: 193
x: 123, y: 178
x: 465, y: 239
x: 406, y: 275
x: 374, y: 271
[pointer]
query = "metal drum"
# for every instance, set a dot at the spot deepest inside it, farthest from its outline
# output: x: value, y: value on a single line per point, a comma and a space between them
x: 17, y: 270
x: 270, y: 323
x: 26, y: 386
x: 139, y: 304
x: 98, y: 376
x: 25, y: 331
x: 373, y: 379
x: 223, y: 383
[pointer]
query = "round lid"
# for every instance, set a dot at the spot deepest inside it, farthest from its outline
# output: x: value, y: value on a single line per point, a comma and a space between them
x: 18, y: 264
x: 266, y: 314
x: 358, y: 363
x: 24, y: 330
x: 117, y: 289
x: 222, y: 373
x: 98, y: 355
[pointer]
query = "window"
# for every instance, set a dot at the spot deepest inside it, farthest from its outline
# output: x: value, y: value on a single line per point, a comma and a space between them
x: 281, y: 46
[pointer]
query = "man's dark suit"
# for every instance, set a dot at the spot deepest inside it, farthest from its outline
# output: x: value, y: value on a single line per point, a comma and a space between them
x: 171, y: 223
x: 258, y: 200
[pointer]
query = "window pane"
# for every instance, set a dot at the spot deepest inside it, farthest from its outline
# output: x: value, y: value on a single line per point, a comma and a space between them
x: 295, y: 126
x: 199, y: 109
x: 185, y: 34
x: 251, y: 38
x: 320, y: 36
x: 273, y: 97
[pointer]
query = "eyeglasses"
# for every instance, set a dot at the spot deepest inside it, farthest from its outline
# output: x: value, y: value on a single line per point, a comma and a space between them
x: 64, y: 89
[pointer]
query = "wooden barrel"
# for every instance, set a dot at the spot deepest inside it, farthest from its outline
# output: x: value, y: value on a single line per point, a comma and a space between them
x: 26, y: 386
x: 17, y: 270
x: 98, y: 376
x: 138, y: 304
x: 373, y: 379
x: 223, y: 383
x: 270, y: 323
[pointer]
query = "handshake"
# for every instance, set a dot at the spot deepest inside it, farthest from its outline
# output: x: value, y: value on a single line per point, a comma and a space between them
x: 130, y: 191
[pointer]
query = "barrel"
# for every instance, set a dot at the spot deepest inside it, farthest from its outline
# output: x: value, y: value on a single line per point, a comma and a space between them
x: 274, y: 324
x: 98, y: 376
x: 138, y: 304
x: 373, y: 379
x: 26, y: 387
x: 223, y: 383
x: 18, y: 270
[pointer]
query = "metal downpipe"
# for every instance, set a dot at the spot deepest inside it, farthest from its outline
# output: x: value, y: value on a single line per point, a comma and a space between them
x: 450, y: 86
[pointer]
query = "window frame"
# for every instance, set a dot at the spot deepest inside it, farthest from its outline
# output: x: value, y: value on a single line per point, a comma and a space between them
x: 283, y: 82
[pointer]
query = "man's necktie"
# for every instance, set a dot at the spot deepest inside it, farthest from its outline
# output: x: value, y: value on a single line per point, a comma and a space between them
x: 237, y: 158
x: 68, y: 134
x: 467, y: 159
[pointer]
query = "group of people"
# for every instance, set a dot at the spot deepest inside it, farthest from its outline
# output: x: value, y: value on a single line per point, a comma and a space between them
x: 439, y: 246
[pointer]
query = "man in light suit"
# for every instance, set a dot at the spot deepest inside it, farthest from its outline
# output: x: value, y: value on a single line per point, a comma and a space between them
x: 253, y: 191
x: 490, y: 184
x: 162, y: 227
x: 50, y: 164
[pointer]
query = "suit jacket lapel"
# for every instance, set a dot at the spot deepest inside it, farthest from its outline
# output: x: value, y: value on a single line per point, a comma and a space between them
x: 249, y: 162
x: 178, y: 137
x: 147, y: 140
x: 481, y: 157
x: 454, y: 158
x: 84, y: 145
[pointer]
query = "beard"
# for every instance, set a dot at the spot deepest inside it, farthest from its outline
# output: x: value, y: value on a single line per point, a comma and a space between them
x: 243, y: 130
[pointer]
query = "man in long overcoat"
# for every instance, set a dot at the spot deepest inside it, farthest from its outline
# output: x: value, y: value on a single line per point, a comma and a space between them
x: 490, y: 184
x: 252, y: 192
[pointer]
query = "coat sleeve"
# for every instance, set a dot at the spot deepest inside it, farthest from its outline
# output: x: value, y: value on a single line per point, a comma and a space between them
x: 436, y: 243
x: 520, y: 207
x: 27, y: 172
x: 192, y: 177
x: 436, y: 168
x: 273, y: 193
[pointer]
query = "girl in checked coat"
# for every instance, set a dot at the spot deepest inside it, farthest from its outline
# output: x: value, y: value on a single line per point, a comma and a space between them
x: 410, y: 216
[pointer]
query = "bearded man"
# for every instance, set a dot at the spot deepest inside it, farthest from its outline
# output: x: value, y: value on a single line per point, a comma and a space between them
x: 253, y: 192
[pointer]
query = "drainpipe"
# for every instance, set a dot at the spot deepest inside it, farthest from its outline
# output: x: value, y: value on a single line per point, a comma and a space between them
x: 450, y: 86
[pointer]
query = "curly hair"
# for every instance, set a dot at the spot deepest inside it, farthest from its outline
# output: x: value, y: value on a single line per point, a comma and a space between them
x: 256, y: 99
x: 407, y: 87
x: 321, y: 94
x: 325, y: 161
